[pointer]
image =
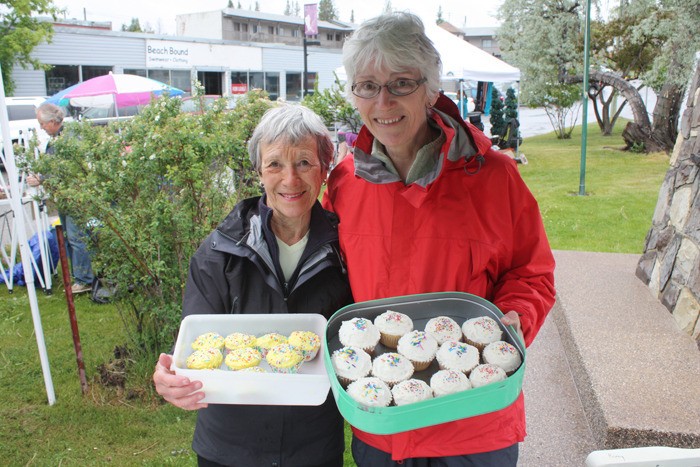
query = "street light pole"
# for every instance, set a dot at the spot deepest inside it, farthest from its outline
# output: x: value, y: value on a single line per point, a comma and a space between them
x: 584, y: 128
x: 305, y: 84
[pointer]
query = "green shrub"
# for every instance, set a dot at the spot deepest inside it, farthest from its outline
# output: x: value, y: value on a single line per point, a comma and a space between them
x: 151, y: 189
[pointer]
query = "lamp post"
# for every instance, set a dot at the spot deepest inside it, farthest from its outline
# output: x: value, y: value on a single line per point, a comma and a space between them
x: 584, y: 128
x: 305, y: 85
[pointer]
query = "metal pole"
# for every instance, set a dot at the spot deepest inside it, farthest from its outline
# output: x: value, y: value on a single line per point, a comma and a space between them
x: 65, y: 270
x: 25, y: 251
x: 303, y: 84
x: 584, y: 128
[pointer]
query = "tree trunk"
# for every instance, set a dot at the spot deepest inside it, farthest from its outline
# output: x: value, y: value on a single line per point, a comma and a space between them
x: 666, y: 115
x: 661, y: 136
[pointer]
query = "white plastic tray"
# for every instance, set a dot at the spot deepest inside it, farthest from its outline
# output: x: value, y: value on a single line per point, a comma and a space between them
x: 222, y: 386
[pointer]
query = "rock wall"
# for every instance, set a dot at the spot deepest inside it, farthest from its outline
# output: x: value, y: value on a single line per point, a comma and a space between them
x: 670, y: 264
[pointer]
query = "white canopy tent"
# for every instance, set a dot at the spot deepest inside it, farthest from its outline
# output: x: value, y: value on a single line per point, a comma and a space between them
x: 463, y: 61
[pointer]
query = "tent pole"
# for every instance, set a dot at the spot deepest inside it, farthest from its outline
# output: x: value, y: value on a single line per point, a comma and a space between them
x: 15, y: 197
x: 517, y: 130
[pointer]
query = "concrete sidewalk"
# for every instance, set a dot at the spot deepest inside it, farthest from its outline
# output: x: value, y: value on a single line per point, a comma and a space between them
x: 609, y: 369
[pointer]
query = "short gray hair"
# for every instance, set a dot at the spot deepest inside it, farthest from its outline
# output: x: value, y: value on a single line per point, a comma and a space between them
x: 397, y: 42
x: 290, y: 123
x: 48, y: 112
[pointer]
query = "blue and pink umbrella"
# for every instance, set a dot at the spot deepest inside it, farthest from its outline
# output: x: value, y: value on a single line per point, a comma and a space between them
x: 113, y: 90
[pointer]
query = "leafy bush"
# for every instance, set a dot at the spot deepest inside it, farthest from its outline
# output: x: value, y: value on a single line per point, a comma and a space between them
x: 151, y: 189
x: 333, y: 108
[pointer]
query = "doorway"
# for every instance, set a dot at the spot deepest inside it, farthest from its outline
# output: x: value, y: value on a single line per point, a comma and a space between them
x: 212, y: 82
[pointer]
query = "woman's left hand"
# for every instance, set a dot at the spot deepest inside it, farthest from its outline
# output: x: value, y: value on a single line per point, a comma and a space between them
x: 512, y: 318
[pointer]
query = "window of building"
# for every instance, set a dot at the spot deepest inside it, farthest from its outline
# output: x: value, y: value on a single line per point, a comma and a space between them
x: 137, y: 72
x: 256, y: 80
x: 281, y: 32
x: 271, y: 30
x: 486, y: 43
x: 94, y: 71
x: 60, y: 77
x: 293, y: 91
x: 296, y: 33
x: 237, y: 27
x: 176, y: 78
x: 338, y: 37
x: 181, y: 79
x: 255, y: 28
x: 329, y: 36
x: 272, y: 85
x: 244, y: 27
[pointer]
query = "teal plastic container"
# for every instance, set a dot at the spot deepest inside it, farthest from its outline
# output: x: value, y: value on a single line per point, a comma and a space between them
x: 395, y: 419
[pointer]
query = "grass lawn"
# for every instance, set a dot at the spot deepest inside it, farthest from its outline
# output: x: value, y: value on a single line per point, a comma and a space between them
x: 129, y: 426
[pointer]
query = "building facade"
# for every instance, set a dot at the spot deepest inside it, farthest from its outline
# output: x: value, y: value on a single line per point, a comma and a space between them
x: 269, y: 56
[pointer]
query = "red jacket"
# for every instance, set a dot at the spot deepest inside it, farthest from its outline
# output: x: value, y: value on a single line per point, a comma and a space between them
x: 471, y: 225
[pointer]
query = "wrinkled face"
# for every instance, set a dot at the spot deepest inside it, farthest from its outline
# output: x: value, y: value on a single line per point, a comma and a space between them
x: 51, y: 128
x: 292, y: 177
x: 396, y: 121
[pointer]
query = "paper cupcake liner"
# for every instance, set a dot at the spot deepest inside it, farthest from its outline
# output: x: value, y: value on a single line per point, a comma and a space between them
x: 289, y: 371
x: 389, y: 340
x: 420, y: 366
x: 478, y: 345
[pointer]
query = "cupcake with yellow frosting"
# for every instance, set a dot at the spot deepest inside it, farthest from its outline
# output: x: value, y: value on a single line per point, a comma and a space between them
x: 284, y: 358
x: 237, y: 340
x: 306, y: 342
x: 268, y: 341
x: 205, y: 359
x: 242, y: 357
x: 209, y: 340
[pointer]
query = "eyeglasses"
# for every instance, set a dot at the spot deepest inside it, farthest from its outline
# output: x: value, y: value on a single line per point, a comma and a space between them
x: 398, y: 87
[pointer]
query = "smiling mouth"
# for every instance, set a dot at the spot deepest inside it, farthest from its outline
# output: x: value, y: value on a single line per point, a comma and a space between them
x: 292, y: 196
x: 388, y: 121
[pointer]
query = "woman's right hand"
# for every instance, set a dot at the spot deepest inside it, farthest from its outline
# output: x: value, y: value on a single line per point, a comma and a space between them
x: 178, y: 390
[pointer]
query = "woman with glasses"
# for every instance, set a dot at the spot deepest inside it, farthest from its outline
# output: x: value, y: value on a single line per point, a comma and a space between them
x: 426, y: 205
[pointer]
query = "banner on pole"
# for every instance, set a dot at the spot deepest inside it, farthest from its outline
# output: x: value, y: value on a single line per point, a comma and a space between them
x: 310, y: 19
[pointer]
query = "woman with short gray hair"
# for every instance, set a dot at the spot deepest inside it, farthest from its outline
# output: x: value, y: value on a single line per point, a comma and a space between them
x: 291, y: 123
x: 278, y: 254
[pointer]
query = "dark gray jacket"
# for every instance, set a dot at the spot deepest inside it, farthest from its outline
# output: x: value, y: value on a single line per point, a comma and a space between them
x: 236, y: 270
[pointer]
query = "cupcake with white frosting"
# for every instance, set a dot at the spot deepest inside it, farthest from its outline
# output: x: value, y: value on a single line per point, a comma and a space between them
x: 392, y: 325
x: 481, y: 331
x: 502, y: 354
x: 411, y: 391
x: 446, y: 382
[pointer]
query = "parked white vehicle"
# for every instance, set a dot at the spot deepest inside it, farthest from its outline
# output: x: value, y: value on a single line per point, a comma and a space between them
x: 21, y: 112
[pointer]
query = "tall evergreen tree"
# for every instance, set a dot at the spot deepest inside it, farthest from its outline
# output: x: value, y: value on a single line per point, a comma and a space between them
x: 327, y: 11
x: 439, y: 15
x: 288, y: 9
x: 352, y: 16
x: 230, y: 4
x: 257, y: 6
x: 498, y: 125
x: 511, y: 104
x: 134, y: 26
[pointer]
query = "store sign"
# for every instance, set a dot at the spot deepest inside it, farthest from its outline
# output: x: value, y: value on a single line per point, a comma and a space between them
x: 175, y: 54
x: 239, y: 88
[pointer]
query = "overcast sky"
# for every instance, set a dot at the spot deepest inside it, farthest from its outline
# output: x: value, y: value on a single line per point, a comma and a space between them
x: 160, y: 15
